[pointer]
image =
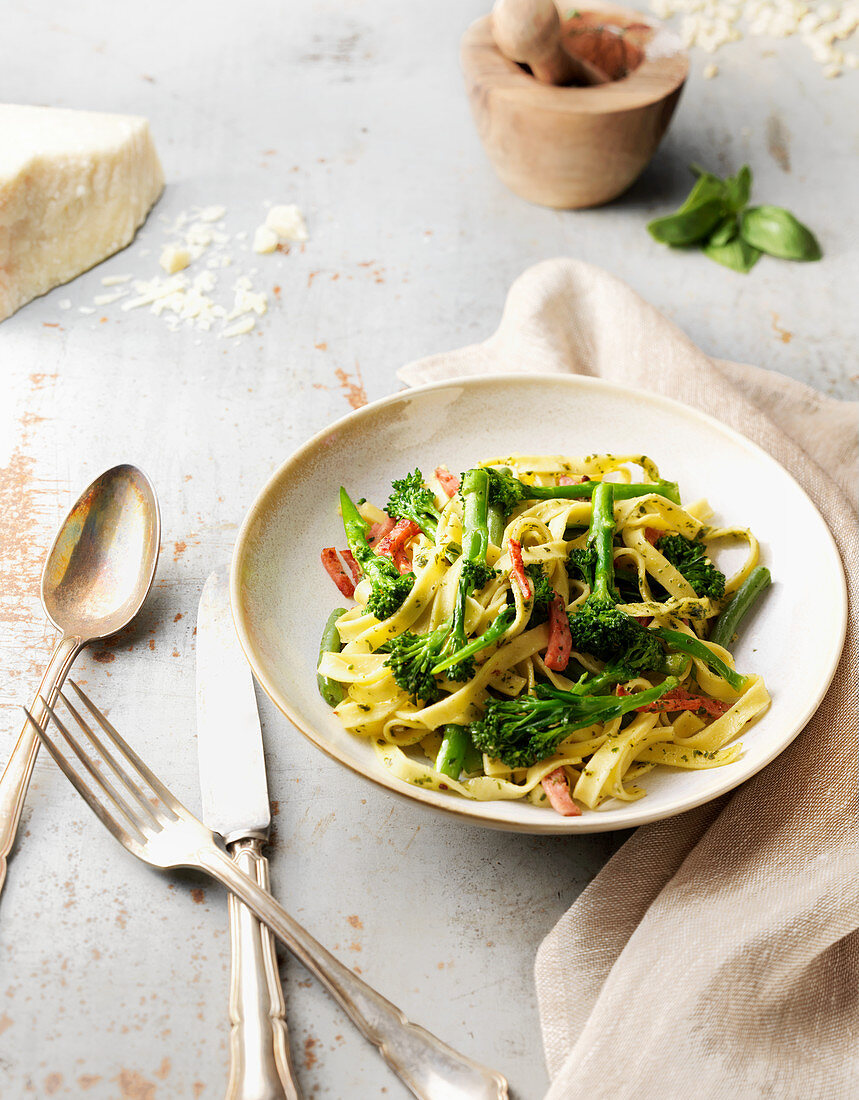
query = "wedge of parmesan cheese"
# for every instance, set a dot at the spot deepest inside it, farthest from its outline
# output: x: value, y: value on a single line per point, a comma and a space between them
x: 74, y: 188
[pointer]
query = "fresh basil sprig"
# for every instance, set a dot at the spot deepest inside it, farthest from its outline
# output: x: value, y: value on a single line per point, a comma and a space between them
x: 777, y: 231
x: 716, y: 216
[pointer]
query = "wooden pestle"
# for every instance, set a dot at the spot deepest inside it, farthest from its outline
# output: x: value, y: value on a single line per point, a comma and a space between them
x: 529, y: 33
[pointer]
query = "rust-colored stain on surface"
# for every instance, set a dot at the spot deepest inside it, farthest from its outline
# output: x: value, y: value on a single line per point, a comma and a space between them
x: 310, y: 1057
x: 199, y: 1089
x: 87, y: 1080
x: 355, y: 921
x: 778, y: 140
x: 52, y: 1083
x: 322, y: 346
x: 179, y: 548
x: 134, y: 1086
x: 5, y: 1022
x: 163, y: 1070
x: 198, y: 895
x: 354, y: 390
x: 782, y: 333
x: 103, y: 656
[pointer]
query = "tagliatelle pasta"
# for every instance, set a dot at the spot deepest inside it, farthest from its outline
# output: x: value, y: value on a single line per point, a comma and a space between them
x: 493, y: 619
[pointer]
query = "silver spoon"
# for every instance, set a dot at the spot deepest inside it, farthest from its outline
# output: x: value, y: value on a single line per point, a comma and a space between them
x: 95, y: 579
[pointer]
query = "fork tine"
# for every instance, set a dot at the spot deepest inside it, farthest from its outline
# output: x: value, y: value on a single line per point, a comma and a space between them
x: 131, y: 757
x: 108, y: 789
x: 125, y: 780
x: 98, y: 808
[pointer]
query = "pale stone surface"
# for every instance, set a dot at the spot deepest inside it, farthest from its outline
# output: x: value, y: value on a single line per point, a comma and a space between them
x: 114, y: 974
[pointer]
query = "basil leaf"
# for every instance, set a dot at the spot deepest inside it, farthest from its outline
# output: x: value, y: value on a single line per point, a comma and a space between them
x: 725, y: 231
x: 777, y: 232
x: 737, y: 254
x: 706, y: 187
x: 738, y: 188
x: 688, y: 226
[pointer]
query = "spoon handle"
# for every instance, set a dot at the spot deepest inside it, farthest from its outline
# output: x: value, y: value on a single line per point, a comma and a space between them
x: 19, y: 767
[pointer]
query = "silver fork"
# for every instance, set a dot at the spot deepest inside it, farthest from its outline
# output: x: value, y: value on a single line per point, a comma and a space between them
x: 145, y: 817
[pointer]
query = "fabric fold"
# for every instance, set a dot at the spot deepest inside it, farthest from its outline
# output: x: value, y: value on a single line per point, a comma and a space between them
x: 717, y: 953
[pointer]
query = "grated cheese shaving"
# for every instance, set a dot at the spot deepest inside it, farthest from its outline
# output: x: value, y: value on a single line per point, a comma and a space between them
x: 712, y: 24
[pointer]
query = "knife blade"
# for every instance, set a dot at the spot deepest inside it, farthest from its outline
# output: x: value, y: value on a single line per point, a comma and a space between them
x: 229, y: 739
x: 234, y: 794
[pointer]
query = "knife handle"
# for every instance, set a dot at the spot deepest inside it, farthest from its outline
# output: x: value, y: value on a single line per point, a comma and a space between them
x: 260, y: 1063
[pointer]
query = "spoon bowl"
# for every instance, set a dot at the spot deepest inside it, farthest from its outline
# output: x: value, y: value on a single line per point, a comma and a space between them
x: 96, y: 576
x: 103, y: 559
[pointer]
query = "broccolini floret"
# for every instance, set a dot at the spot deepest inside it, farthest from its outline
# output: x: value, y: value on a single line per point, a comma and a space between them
x: 412, y: 500
x: 389, y: 587
x: 690, y: 559
x: 521, y: 731
x: 416, y: 658
x: 598, y: 626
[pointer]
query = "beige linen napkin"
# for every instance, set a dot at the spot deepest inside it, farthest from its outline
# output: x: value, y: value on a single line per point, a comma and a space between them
x: 717, y: 953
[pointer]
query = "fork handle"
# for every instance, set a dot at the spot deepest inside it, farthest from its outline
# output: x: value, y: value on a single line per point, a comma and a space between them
x: 19, y: 767
x: 260, y: 1063
x: 430, y: 1069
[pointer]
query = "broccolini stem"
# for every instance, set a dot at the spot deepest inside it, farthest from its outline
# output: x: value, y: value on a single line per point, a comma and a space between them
x: 696, y: 648
x: 495, y: 514
x: 330, y: 690
x: 456, y: 745
x: 356, y: 530
x: 600, y: 538
x: 744, y: 599
x: 475, y: 505
x: 498, y: 627
x: 622, y: 490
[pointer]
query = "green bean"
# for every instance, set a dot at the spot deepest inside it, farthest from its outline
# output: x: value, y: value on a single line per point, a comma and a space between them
x: 454, y: 750
x: 743, y: 601
x: 330, y: 690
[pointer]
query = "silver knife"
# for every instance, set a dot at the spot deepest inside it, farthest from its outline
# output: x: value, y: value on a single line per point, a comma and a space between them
x: 235, y: 804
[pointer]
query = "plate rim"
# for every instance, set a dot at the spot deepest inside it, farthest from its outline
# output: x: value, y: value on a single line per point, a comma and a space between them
x: 464, y: 809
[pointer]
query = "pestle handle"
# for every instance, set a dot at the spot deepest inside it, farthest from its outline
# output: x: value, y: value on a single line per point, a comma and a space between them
x: 529, y: 33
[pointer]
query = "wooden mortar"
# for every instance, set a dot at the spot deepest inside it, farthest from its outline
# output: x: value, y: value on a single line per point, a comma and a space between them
x: 576, y: 146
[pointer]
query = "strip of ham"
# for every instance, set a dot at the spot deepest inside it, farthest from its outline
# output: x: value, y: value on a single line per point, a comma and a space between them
x: 558, y: 793
x: 653, y: 535
x: 565, y: 479
x: 449, y: 482
x: 679, y: 699
x: 379, y: 530
x: 335, y: 570
x: 560, y: 642
x: 354, y: 567
x: 517, y: 569
x: 393, y: 544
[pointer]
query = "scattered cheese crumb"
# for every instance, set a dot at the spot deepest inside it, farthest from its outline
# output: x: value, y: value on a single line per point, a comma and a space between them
x: 86, y: 309
x: 710, y: 71
x: 109, y: 299
x: 173, y: 258
x: 240, y: 328
x: 711, y: 24
x: 212, y: 213
x: 116, y: 280
x: 287, y: 222
x: 65, y: 303
x: 265, y: 239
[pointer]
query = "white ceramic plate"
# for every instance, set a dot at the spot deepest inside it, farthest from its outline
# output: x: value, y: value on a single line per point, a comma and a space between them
x: 281, y: 595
